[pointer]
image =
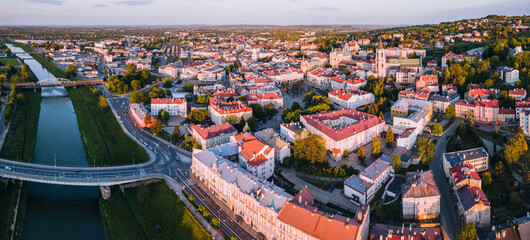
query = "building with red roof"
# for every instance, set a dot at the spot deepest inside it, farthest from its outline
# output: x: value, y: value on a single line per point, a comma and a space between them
x: 450, y: 56
x: 474, y: 206
x: 221, y: 111
x: 387, y: 232
x: 174, y: 106
x: 350, y: 97
x: 265, y: 98
x: 212, y: 136
x: 464, y: 174
x: 480, y: 93
x: 519, y: 94
x: 300, y: 218
x: 345, y: 129
x: 483, y: 110
x: 255, y: 155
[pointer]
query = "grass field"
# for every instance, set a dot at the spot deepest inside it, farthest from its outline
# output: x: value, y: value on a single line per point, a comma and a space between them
x: 9, y: 61
x: 149, y: 212
x: 20, y: 140
x: 106, y: 142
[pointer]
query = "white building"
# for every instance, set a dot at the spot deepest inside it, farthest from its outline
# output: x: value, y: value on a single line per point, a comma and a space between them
x: 174, y: 106
x: 212, y: 136
x: 351, y: 97
x: 362, y: 188
x: 524, y: 121
x: 255, y: 155
x: 221, y: 111
x: 421, y: 197
x: 476, y: 157
x: 508, y: 75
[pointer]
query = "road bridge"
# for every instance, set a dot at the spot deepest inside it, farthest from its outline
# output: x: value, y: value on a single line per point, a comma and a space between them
x: 78, y: 176
x: 56, y: 82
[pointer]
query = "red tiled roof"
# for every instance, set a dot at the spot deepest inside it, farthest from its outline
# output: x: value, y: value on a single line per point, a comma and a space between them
x: 364, y: 122
x: 507, y: 111
x: 213, y: 131
x: 252, y: 149
x: 459, y: 173
x: 229, y: 107
x: 518, y: 92
x: 488, y: 103
x: 168, y: 100
x: 522, y: 104
x: 346, y: 94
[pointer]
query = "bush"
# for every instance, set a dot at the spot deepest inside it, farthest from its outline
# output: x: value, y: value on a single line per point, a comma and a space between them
x: 346, y: 153
x: 191, y: 197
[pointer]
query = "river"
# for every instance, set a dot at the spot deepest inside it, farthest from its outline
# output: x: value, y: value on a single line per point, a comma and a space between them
x: 56, y: 211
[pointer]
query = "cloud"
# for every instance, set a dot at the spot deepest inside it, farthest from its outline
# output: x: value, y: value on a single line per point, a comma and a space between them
x: 323, y: 9
x: 99, y: 5
x: 51, y: 2
x: 134, y: 2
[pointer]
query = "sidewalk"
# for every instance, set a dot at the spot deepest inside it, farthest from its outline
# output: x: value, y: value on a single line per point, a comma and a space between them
x: 334, y: 197
x: 177, y: 188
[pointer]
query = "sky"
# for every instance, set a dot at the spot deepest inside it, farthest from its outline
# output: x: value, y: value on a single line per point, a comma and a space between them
x: 251, y: 12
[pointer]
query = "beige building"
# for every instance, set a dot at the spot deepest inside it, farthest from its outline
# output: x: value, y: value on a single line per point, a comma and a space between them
x: 421, y: 197
x: 474, y: 206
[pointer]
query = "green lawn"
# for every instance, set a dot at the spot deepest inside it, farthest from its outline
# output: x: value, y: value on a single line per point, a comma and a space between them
x: 149, y: 212
x: 9, y: 61
x: 512, y: 129
x: 103, y: 138
x: 20, y: 139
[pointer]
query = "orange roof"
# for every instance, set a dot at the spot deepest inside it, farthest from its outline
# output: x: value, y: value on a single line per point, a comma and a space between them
x: 252, y: 149
x: 168, y: 100
x: 213, y: 131
x: 346, y: 94
x: 301, y: 213
x: 518, y: 92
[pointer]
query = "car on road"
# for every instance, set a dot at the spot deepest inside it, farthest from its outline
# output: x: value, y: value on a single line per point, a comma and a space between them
x: 78, y: 170
x: 7, y: 168
x: 331, y: 189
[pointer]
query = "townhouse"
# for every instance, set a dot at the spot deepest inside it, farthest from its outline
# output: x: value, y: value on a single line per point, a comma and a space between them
x: 174, y: 106
x: 221, y: 111
x: 350, y: 97
x: 421, y: 197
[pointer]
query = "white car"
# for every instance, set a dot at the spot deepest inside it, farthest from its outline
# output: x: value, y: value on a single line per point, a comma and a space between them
x: 7, y: 168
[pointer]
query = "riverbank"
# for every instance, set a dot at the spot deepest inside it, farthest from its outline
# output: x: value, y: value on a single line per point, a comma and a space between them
x: 105, y: 142
x: 149, y: 212
x: 19, y: 145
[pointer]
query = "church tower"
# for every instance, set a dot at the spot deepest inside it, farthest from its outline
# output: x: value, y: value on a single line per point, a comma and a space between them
x: 380, y: 60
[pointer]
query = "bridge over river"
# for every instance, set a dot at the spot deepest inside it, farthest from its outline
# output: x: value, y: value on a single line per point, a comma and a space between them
x: 78, y: 176
x: 56, y: 82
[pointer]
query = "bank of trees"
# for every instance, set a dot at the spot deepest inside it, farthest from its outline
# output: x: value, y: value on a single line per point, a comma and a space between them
x: 131, y: 80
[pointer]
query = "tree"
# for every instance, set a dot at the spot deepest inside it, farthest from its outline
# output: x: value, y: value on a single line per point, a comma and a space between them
x: 71, y: 71
x: 437, y: 129
x: 164, y: 116
x: 206, y: 213
x: 376, y: 147
x: 197, y: 115
x: 295, y: 106
x: 496, y: 131
x: 450, y: 111
x: 470, y: 121
x: 215, y: 222
x: 486, y: 178
x: 166, y: 82
x: 156, y: 126
x: 136, y: 85
x: 147, y: 119
x: 252, y: 123
x: 188, y: 87
x: 191, y: 197
x: 498, y: 169
x: 176, y: 132
x: 130, y: 69
x: 381, y: 116
x: 103, y: 103
x: 269, y: 110
x: 396, y: 162
x: 389, y: 138
x: 310, y: 149
x: 201, y: 208
x: 360, y: 154
x: 138, y: 97
x: 468, y: 232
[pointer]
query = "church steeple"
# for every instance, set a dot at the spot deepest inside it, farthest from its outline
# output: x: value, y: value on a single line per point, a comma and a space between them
x: 380, y: 43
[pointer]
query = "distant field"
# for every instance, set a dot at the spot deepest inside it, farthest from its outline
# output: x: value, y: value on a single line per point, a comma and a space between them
x: 149, y: 212
x: 105, y: 139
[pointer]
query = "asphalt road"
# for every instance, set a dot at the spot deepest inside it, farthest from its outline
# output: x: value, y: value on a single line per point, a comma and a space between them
x: 448, y: 209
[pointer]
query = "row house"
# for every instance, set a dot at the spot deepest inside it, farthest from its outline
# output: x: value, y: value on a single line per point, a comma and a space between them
x: 421, y: 197
x: 287, y: 75
x: 174, y: 106
x: 271, y: 211
x: 265, y: 98
x: 351, y: 97
x: 221, y: 111
x: 345, y: 129
x: 424, y: 96
x: 320, y: 77
x: 361, y: 188
x: 406, y: 76
x: 482, y: 110
x: 212, y: 136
